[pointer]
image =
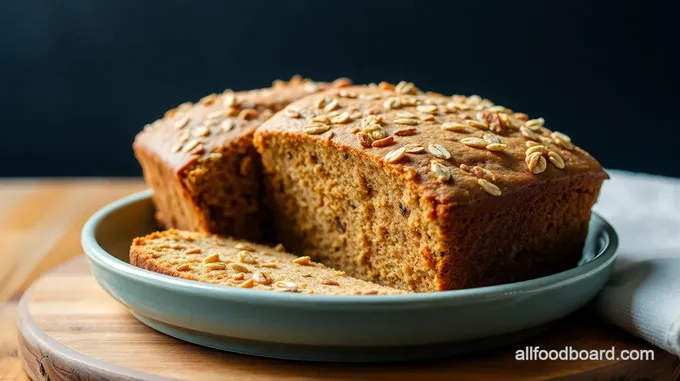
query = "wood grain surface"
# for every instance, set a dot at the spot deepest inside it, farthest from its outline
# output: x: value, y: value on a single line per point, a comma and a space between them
x: 40, y: 222
x: 72, y: 330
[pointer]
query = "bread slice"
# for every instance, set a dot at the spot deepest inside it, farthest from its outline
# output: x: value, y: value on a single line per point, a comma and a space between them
x: 426, y: 192
x: 228, y: 262
x: 200, y: 161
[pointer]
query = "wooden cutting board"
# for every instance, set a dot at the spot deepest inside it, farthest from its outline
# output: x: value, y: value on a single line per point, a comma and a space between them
x: 71, y: 329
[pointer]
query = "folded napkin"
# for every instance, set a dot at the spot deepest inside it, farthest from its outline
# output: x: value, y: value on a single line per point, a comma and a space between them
x: 643, y: 294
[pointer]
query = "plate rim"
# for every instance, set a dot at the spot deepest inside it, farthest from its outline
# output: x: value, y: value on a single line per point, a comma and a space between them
x: 100, y: 257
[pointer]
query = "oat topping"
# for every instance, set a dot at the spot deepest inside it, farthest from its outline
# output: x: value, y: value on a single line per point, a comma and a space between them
x: 201, y: 131
x: 238, y: 268
x: 292, y: 113
x: 247, y: 114
x: 406, y: 115
x: 229, y: 99
x: 489, y: 187
x: 181, y: 123
x: 347, y: 94
x: 427, y: 108
x: 208, y: 99
x: 453, y: 126
x: 536, y: 163
x: 396, y: 116
x: 477, y: 124
x: 215, y: 115
x: 323, y: 119
x: 491, y: 138
x: 227, y: 125
x: 534, y: 124
x: 396, y: 155
x: 527, y: 133
x: 244, y: 246
x: 320, y: 103
x: 407, y: 121
x: 537, y: 148
x: 311, y: 87
x: 440, y: 171
x: 316, y: 128
x: 438, y: 151
x: 482, y: 172
x: 215, y: 266
x: 199, y: 150
x: 332, y: 105
x: 304, y: 261
x: 211, y: 258
x: 391, y: 103
x: 496, y: 146
x: 191, y: 145
x: 261, y: 277
x: 405, y: 88
x: 414, y: 148
x: 474, y: 142
x: 556, y: 160
x: 562, y: 140
x: 245, y: 256
x: 521, y: 116
x: 341, y: 119
x: 286, y: 286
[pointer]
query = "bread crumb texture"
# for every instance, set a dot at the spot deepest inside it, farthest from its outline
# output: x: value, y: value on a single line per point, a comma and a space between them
x: 228, y: 262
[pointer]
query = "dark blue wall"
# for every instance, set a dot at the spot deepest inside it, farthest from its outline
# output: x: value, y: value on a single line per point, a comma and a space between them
x: 78, y: 78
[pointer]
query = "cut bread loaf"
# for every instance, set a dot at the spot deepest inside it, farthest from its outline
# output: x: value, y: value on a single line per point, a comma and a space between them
x: 201, y: 164
x: 213, y: 259
x: 425, y: 192
x: 412, y: 190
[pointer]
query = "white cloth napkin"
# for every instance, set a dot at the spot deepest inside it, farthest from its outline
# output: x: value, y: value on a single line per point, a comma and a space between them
x: 643, y: 294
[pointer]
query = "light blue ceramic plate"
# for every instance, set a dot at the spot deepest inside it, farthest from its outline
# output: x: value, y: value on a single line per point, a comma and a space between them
x: 334, y: 328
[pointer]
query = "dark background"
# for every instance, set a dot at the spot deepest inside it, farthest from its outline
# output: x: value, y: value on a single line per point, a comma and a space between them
x: 78, y: 79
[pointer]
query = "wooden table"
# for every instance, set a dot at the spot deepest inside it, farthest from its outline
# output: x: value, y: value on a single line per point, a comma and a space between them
x: 40, y: 223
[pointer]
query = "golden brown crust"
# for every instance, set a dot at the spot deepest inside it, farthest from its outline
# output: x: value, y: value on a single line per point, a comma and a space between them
x: 494, y: 151
x: 212, y: 259
x: 192, y: 131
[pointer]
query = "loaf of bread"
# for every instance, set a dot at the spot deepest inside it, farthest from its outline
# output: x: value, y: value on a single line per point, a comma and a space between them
x: 425, y: 192
x: 200, y: 161
x: 212, y: 259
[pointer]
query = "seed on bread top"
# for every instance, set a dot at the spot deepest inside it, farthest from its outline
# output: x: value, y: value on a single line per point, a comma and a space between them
x: 191, y: 131
x: 224, y: 261
x: 458, y: 130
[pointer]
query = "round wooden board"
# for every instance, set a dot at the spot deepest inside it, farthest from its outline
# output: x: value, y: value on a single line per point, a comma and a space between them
x: 71, y: 329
